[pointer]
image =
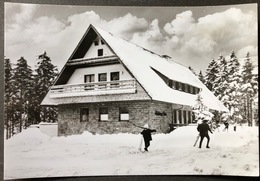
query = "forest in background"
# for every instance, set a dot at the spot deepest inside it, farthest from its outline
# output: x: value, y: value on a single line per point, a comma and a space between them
x: 24, y: 90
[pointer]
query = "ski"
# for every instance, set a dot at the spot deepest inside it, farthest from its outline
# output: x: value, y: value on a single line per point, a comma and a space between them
x: 141, y: 143
x: 197, y: 138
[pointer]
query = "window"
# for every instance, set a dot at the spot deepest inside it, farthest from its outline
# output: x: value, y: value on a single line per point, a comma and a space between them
x: 84, y: 115
x: 193, y: 117
x: 102, y: 78
x: 88, y: 79
x: 180, y: 116
x: 175, y: 116
x: 189, y: 117
x: 182, y: 86
x: 102, y: 42
x: 103, y: 114
x: 96, y: 42
x: 100, y: 52
x: 198, y: 90
x: 177, y: 85
x: 170, y: 83
x: 123, y: 114
x: 194, y: 90
x: 114, y: 76
x: 173, y: 84
x: 184, y: 117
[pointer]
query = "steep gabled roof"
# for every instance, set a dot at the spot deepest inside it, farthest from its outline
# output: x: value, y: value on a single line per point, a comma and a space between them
x: 84, y: 43
x: 141, y: 63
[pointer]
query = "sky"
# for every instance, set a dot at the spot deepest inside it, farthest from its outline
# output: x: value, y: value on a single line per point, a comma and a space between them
x: 192, y: 36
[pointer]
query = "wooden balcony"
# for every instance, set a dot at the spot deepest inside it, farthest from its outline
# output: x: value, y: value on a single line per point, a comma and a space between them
x: 93, y: 88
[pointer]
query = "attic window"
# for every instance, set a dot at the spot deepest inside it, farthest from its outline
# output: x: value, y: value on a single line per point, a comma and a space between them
x: 96, y: 42
x: 100, y: 52
x: 102, y: 42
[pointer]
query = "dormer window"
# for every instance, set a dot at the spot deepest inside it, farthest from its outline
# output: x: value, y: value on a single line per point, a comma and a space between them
x: 173, y: 84
x: 189, y: 89
x: 183, y: 87
x: 100, y: 52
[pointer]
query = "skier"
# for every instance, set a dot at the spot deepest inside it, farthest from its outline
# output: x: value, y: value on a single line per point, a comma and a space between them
x: 226, y: 126
x: 235, y: 127
x: 147, y: 136
x: 203, y: 128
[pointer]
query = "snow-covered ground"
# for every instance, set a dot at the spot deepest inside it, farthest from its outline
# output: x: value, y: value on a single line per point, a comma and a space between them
x: 33, y: 154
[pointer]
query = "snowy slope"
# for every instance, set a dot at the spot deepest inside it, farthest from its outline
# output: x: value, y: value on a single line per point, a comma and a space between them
x: 34, y: 154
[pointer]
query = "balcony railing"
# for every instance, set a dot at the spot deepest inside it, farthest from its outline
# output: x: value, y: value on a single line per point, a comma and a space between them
x: 94, y: 88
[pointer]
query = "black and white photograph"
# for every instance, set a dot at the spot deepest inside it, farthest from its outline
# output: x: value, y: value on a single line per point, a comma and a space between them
x: 111, y: 90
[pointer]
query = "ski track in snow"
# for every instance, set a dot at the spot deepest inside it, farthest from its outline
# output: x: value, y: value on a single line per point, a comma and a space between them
x: 232, y: 153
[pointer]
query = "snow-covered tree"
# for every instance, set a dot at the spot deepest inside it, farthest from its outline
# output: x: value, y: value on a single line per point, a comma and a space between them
x: 46, y: 72
x: 23, y: 85
x: 200, y: 109
x: 249, y: 88
x: 212, y: 75
x: 201, y: 77
x: 221, y: 79
x: 232, y: 93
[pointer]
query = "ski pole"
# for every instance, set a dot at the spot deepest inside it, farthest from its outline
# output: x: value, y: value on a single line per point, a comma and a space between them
x: 197, y: 138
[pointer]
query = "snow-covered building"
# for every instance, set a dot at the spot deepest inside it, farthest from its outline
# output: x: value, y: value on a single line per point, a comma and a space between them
x: 109, y: 85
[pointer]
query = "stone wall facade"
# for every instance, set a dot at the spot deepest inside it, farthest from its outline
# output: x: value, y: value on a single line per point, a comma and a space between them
x: 157, y: 114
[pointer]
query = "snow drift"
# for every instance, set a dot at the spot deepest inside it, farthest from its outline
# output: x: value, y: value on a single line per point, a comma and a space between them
x: 32, y: 154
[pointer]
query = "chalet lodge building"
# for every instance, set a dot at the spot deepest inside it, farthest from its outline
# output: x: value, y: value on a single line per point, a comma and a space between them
x: 109, y: 85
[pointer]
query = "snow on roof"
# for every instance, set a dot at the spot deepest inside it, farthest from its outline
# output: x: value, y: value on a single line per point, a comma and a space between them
x: 141, y: 61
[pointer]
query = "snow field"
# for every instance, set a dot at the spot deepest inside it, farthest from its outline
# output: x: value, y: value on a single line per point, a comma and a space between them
x: 33, y: 154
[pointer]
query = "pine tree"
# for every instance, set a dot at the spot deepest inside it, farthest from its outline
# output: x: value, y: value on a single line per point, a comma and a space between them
x: 8, y: 94
x: 201, y: 77
x: 232, y: 92
x: 23, y: 85
x: 221, y: 79
x: 212, y: 74
x: 249, y: 88
x: 46, y: 73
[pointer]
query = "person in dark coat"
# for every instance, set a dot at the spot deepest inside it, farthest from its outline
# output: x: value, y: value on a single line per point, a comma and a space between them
x: 147, y: 136
x: 226, y: 126
x: 203, y: 128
